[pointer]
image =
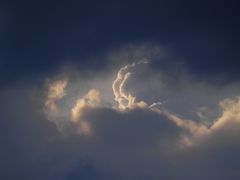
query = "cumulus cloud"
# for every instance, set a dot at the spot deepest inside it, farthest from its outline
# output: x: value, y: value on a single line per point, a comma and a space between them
x: 230, y: 117
x: 139, y: 139
x: 88, y: 101
x: 195, y: 131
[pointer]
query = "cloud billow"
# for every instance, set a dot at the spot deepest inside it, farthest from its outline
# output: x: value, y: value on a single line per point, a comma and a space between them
x: 138, y: 140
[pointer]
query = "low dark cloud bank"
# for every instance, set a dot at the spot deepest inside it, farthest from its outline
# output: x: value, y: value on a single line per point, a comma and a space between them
x: 119, y: 90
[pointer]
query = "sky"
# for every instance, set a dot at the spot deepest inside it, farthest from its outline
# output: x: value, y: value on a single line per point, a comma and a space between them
x: 119, y: 90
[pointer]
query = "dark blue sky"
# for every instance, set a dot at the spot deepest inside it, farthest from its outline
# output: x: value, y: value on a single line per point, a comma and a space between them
x: 38, y: 36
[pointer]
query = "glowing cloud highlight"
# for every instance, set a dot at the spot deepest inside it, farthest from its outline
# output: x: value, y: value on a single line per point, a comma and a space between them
x: 56, y: 91
x: 88, y: 101
x: 125, y: 100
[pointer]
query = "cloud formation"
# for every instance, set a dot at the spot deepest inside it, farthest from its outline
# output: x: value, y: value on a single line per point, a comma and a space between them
x: 56, y: 91
x: 194, y: 131
x: 88, y: 101
x: 125, y: 100
x: 146, y: 132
